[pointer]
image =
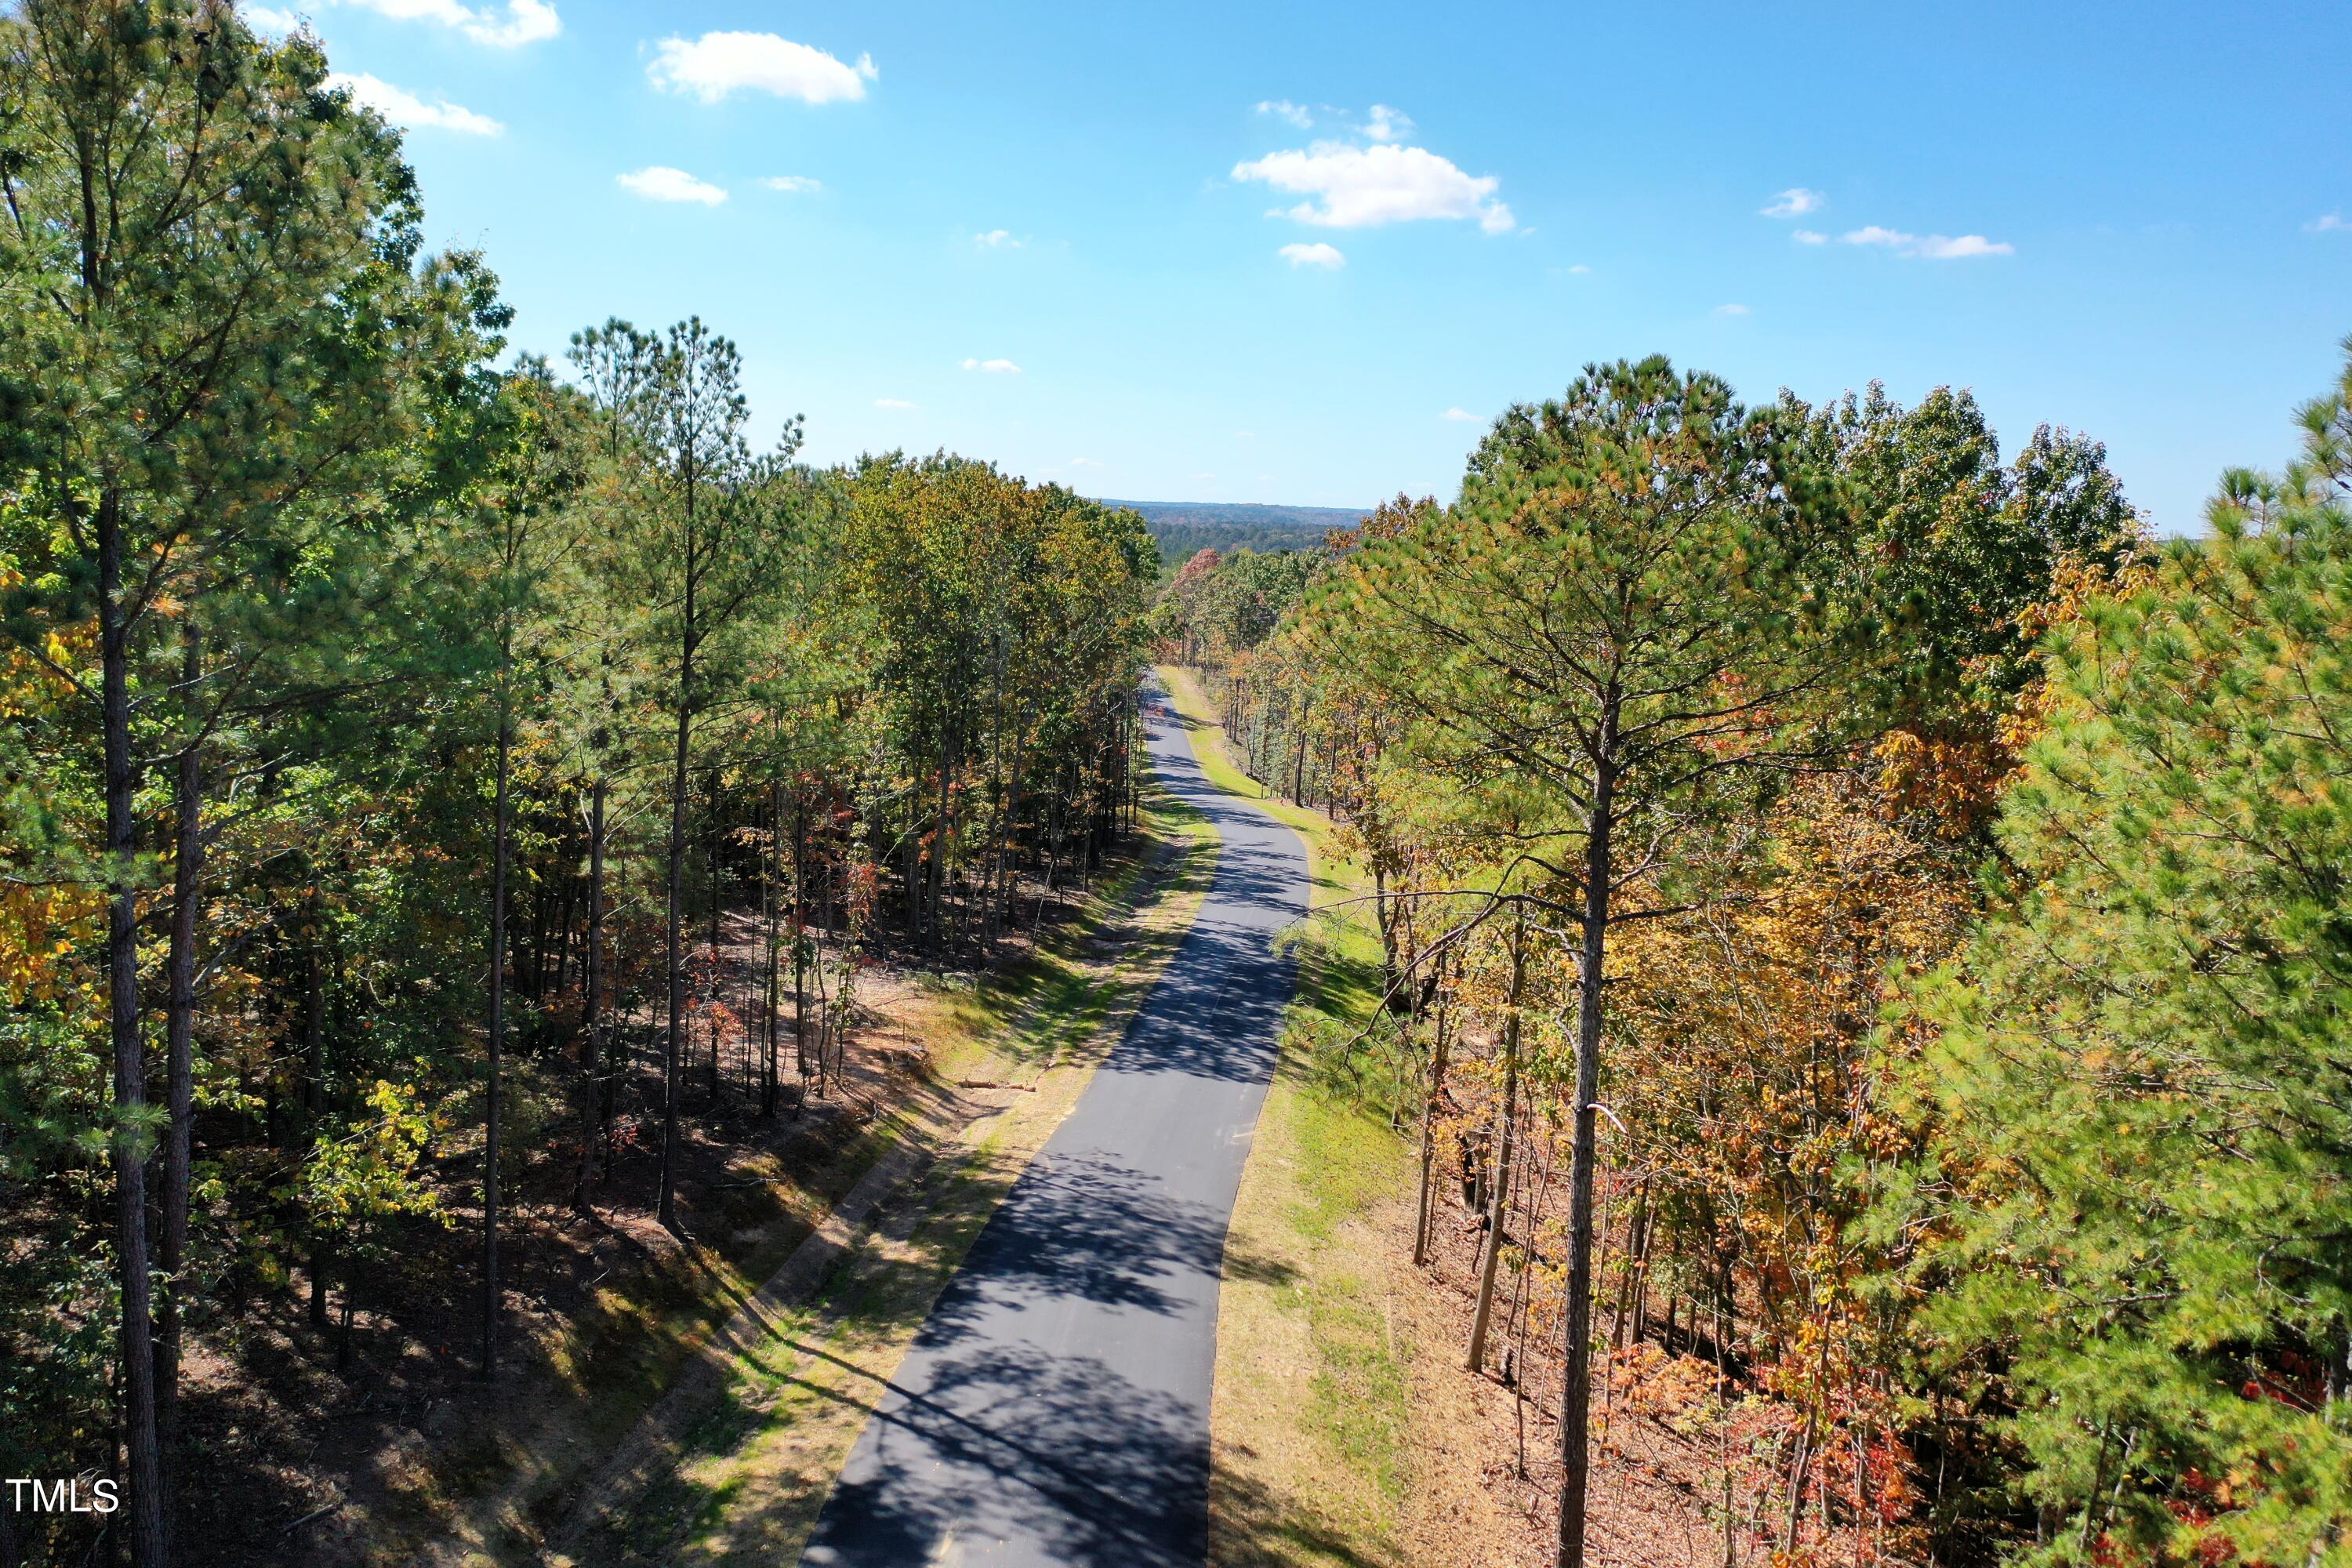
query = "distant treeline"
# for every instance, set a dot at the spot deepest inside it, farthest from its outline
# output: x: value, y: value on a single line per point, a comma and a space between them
x: 1185, y: 528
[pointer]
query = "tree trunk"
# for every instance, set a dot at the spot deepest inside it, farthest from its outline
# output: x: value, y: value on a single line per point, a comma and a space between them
x: 595, y: 1107
x: 323, y: 1268
x: 939, y: 843
x: 800, y: 942
x: 1636, y: 1254
x: 1499, y: 1199
x: 314, y: 1085
x: 314, y: 1009
x: 769, y: 911
x: 501, y: 811
x: 144, y: 1506
x: 179, y: 1052
x: 1437, y: 1064
x: 674, y: 935
x: 343, y: 1333
x: 1576, y: 1358
x: 710, y: 992
x: 1298, y: 766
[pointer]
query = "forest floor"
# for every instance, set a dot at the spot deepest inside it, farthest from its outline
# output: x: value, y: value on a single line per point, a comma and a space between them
x: 1346, y: 1433
x: 616, y: 1328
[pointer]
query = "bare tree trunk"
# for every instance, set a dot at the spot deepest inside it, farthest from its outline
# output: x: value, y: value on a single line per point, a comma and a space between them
x: 1576, y: 1342
x: 1298, y: 766
x: 1437, y: 1065
x: 939, y: 844
x: 1498, y: 1200
x: 144, y: 1506
x: 595, y: 1100
x: 500, y: 849
x: 1008, y: 870
x: 314, y: 1088
x: 179, y: 1053
x: 800, y: 942
x: 343, y: 1333
x: 1636, y: 1256
x: 768, y: 911
x: 710, y: 991
x: 674, y: 936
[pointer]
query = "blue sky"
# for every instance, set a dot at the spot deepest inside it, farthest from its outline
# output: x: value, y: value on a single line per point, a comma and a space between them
x: 1302, y: 253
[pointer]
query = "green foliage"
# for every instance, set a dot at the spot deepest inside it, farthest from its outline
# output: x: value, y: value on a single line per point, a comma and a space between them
x: 2137, y: 1172
x: 367, y: 1171
x: 1624, y: 585
x: 383, y: 613
x: 1950, y: 547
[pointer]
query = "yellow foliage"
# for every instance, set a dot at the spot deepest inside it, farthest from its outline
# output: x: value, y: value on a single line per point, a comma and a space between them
x: 39, y: 929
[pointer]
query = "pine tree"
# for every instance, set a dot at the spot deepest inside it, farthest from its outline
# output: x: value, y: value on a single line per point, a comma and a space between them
x: 1614, y: 626
x: 2142, y: 1137
x: 708, y: 537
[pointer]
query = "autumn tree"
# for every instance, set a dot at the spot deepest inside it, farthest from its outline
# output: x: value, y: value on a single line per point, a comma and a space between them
x: 1610, y: 631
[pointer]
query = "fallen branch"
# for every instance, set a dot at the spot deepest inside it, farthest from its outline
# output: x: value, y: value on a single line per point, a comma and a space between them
x: 314, y: 1513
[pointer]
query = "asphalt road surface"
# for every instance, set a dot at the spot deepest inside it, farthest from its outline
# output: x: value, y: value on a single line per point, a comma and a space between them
x: 1054, y: 1408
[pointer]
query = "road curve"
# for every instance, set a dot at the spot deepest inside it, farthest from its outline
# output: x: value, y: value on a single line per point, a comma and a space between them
x: 1054, y: 1408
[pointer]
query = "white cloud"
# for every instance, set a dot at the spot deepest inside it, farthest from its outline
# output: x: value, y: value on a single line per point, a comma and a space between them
x: 994, y: 366
x: 1936, y: 247
x: 892, y: 403
x: 1731, y: 310
x: 717, y: 64
x: 268, y: 20
x: 1386, y: 125
x: 1931, y: 246
x: 404, y: 107
x: 1203, y: 476
x: 2327, y: 223
x: 1580, y: 270
x: 1317, y: 255
x: 522, y: 21
x: 1460, y: 417
x: 997, y: 240
x: 1810, y: 236
x: 1084, y: 463
x: 794, y: 184
x: 1245, y: 435
x: 659, y: 182
x: 1282, y: 108
x: 1795, y: 202
x: 1364, y: 187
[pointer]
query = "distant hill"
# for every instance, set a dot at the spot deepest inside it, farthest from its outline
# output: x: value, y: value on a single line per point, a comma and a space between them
x: 1184, y: 527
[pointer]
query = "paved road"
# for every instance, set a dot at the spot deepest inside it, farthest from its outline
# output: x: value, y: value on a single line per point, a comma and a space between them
x: 1055, y: 1409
